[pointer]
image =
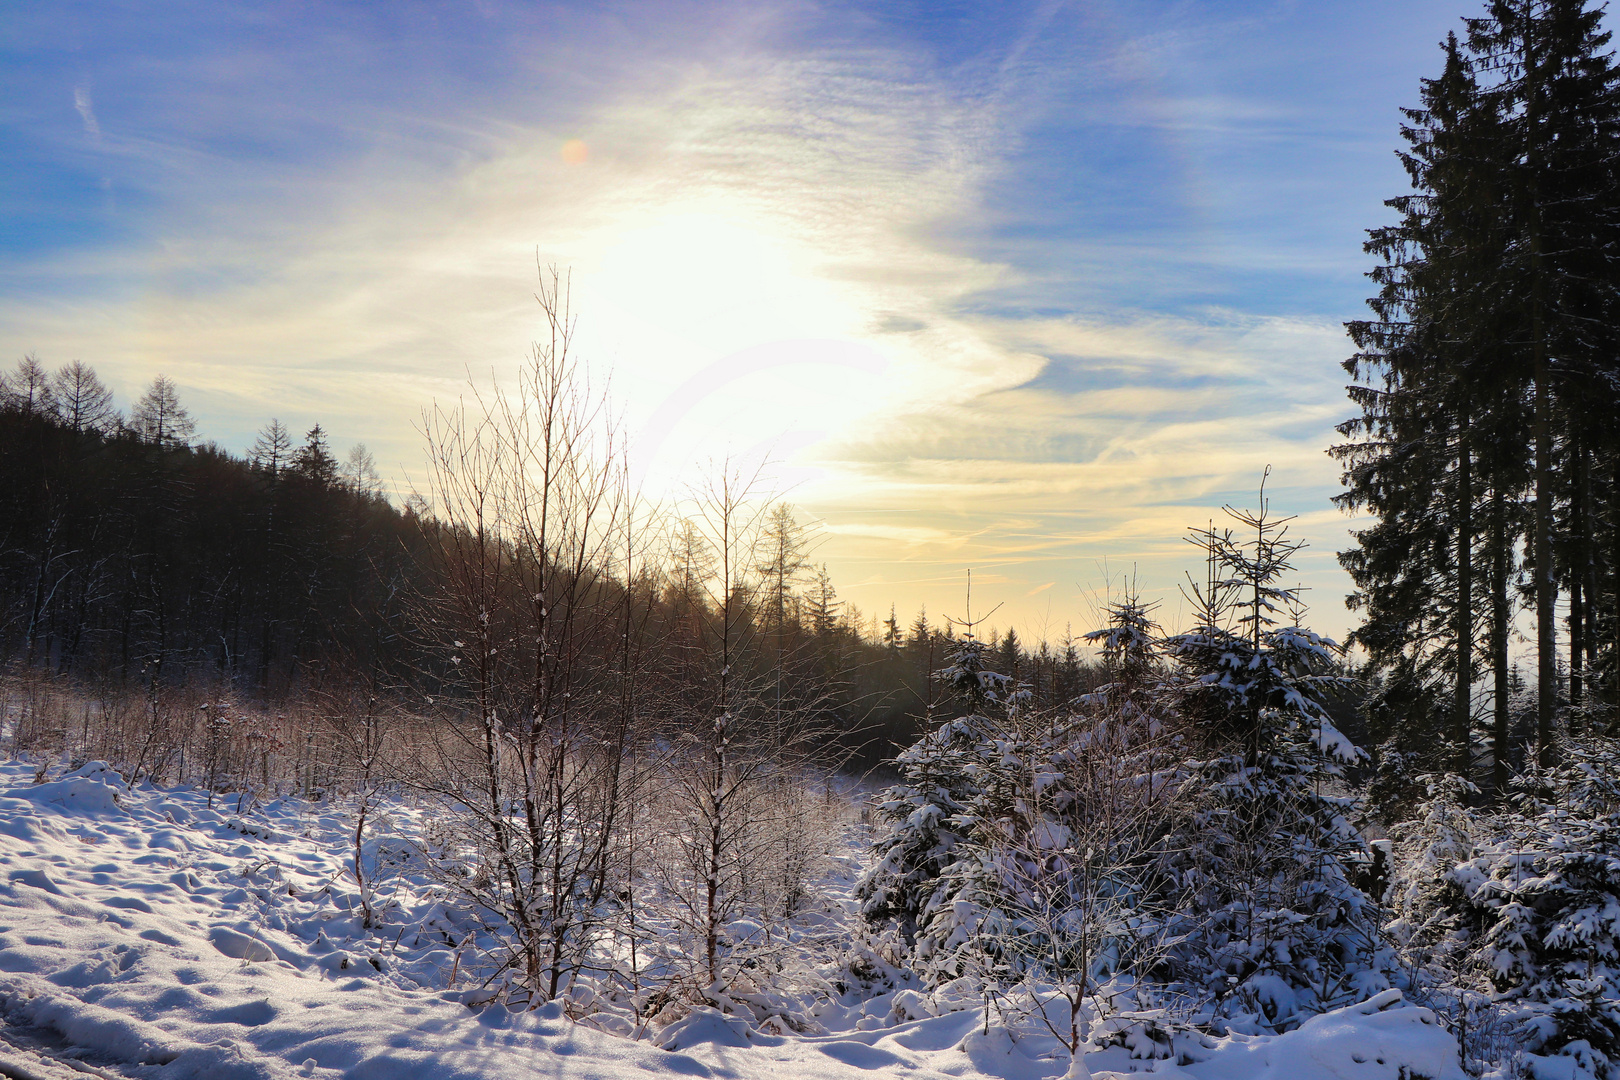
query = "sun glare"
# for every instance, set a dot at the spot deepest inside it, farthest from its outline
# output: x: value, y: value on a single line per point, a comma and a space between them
x: 711, y: 322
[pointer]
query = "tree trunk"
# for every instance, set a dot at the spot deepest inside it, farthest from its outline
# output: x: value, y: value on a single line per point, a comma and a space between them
x: 1577, y: 640
x: 1546, y: 587
x: 1461, y: 718
x: 1546, y: 582
x: 1499, y: 642
x: 1614, y: 572
x: 1588, y: 569
x: 1577, y: 585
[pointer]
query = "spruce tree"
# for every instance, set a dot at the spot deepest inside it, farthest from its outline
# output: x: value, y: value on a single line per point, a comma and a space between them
x: 1270, y: 856
x: 1414, y: 458
x: 1557, y: 92
x: 314, y: 460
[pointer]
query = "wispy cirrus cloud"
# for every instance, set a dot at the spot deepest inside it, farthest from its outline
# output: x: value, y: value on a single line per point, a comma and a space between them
x: 87, y: 112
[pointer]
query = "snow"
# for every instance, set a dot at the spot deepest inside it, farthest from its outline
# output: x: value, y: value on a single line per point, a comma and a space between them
x: 145, y: 934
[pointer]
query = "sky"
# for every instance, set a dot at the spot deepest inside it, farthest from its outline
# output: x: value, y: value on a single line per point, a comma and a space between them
x: 1022, y: 288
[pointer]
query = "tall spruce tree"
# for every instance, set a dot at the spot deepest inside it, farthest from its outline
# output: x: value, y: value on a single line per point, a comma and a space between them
x: 1557, y: 92
x: 1487, y: 376
x: 1415, y: 451
x: 1267, y: 863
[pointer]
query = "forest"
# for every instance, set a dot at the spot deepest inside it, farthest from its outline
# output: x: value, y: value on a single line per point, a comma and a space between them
x: 635, y: 765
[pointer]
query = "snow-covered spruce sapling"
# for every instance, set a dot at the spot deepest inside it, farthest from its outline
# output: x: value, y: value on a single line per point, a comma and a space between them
x: 1271, y: 854
x: 1425, y: 924
x: 926, y: 814
x: 1543, y: 900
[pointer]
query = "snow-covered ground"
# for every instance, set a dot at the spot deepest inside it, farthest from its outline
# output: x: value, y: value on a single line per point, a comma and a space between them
x: 145, y: 934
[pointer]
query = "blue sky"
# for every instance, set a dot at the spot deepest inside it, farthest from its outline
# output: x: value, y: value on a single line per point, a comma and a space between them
x: 1027, y: 288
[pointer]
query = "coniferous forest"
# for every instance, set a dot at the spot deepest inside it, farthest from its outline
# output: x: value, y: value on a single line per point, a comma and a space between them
x: 524, y: 743
x: 1485, y: 448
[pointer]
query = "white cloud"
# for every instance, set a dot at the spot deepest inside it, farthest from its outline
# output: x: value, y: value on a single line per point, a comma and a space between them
x: 81, y: 102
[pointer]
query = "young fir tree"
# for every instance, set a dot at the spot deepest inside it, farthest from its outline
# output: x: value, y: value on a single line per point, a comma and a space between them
x: 942, y: 777
x: 1270, y: 858
x: 1541, y: 897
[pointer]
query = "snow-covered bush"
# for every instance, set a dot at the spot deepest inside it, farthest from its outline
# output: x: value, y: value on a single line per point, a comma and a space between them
x: 1021, y: 845
x: 1425, y: 923
x: 1543, y: 897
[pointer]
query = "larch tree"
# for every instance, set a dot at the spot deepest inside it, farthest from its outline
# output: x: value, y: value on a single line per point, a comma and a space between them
x: 82, y: 401
x: 159, y: 418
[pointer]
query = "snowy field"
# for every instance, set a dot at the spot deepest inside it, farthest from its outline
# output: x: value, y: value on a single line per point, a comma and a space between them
x: 145, y: 934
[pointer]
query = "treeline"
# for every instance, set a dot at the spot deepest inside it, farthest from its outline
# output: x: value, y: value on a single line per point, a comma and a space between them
x: 131, y: 553
x: 1487, y: 447
x: 138, y: 559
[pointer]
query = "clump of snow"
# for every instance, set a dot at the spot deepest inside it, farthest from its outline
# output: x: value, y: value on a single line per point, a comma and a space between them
x: 90, y: 790
x: 705, y: 1025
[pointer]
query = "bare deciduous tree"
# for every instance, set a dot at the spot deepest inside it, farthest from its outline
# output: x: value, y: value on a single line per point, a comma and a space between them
x: 159, y: 418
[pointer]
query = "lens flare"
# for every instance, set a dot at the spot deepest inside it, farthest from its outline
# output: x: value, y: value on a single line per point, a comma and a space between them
x: 574, y: 151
